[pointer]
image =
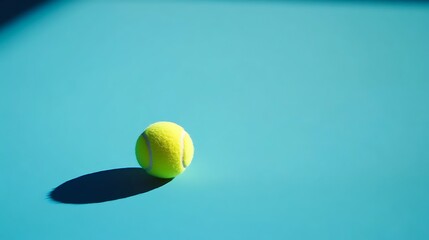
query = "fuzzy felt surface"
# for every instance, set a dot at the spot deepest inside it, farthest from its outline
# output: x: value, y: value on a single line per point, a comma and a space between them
x: 164, y: 149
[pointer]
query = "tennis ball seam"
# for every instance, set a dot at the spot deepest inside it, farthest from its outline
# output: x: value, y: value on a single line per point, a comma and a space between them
x: 182, y: 150
x: 146, y: 139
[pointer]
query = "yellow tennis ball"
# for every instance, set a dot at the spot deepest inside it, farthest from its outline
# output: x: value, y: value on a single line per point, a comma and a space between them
x: 164, y: 149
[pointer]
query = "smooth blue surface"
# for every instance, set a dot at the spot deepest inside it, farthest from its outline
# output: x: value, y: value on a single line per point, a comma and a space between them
x: 310, y: 121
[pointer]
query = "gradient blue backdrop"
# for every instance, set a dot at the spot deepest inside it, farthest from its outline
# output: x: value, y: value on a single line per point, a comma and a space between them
x: 310, y: 121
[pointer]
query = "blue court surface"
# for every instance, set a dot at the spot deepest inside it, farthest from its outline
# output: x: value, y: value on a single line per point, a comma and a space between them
x: 310, y: 119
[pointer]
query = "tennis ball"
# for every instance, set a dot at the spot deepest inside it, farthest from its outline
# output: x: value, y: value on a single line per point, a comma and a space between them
x: 164, y: 149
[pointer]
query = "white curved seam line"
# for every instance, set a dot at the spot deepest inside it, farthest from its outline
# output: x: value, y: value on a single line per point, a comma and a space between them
x: 146, y: 139
x: 182, y: 148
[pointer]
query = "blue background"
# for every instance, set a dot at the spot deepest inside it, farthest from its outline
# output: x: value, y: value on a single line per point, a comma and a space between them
x: 309, y: 120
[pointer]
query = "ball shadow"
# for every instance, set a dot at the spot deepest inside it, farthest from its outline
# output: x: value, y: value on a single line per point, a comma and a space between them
x: 106, y: 186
